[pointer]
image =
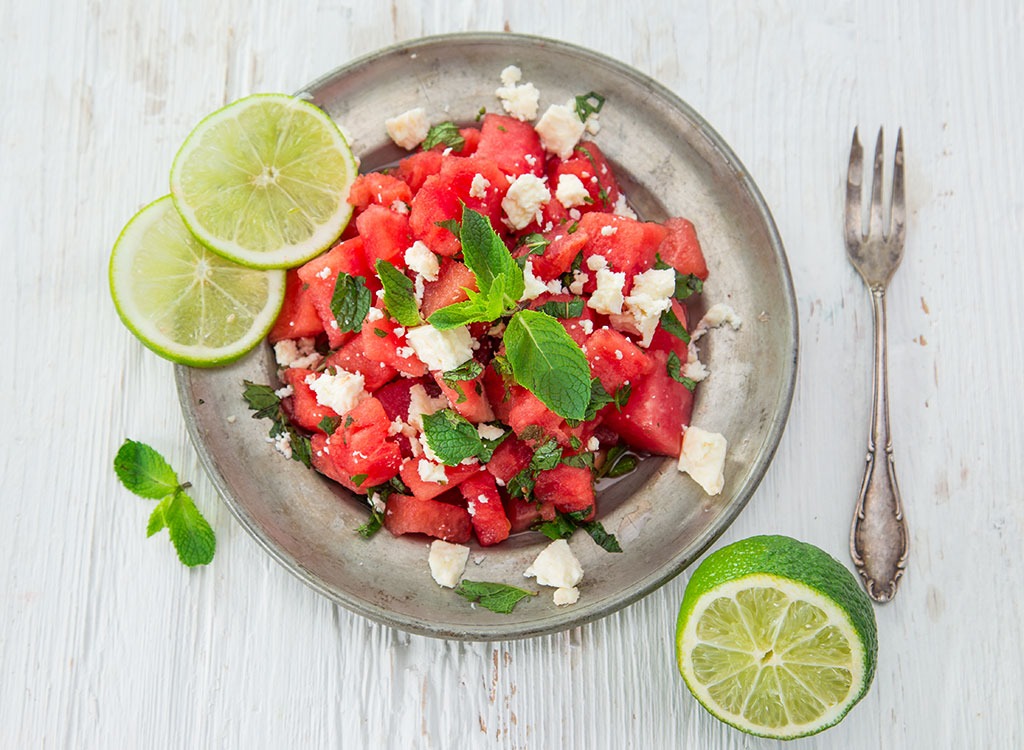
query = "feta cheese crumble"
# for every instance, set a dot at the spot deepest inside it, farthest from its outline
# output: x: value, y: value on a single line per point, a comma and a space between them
x: 489, y: 431
x: 447, y: 562
x: 694, y: 369
x: 532, y: 286
x: 409, y: 128
x: 296, y: 353
x: 518, y: 101
x: 570, y: 191
x: 622, y: 208
x: 478, y: 188
x: 560, y: 129
x: 422, y: 261
x: 420, y: 403
x: 431, y: 472
x: 340, y: 390
x: 719, y: 315
x: 650, y: 296
x: 441, y: 350
x: 523, y: 201
x: 607, y: 299
x: 703, y: 458
x: 557, y: 566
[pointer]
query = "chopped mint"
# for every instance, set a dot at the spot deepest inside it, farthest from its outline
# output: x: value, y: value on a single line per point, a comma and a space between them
x: 565, y: 524
x: 398, y: 295
x: 671, y: 324
x: 588, y: 104
x: 547, y: 456
x: 267, y: 405
x: 446, y: 133
x: 617, y: 462
x: 674, y: 367
x: 350, y: 302
x: 453, y: 438
x: 572, y: 308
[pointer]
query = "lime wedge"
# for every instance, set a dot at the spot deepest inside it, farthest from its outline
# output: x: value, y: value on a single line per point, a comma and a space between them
x: 776, y: 638
x: 184, y: 302
x: 264, y: 181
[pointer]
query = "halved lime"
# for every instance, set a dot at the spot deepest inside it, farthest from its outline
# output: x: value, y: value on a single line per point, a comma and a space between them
x: 184, y: 302
x: 264, y: 181
x: 775, y: 637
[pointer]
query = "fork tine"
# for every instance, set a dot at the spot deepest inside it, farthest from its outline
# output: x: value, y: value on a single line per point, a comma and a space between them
x: 898, y: 212
x: 875, y: 218
x: 854, y: 181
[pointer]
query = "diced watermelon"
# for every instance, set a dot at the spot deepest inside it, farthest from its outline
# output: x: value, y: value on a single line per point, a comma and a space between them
x: 394, y: 397
x: 569, y: 488
x: 386, y: 235
x: 668, y: 342
x: 353, y: 358
x: 510, y: 457
x: 453, y: 277
x: 586, y: 163
x: 559, y: 254
x: 472, y: 138
x: 614, y: 359
x: 467, y: 398
x: 658, y: 408
x: 529, y: 416
x: 486, y: 512
x: 424, y: 490
x: 523, y: 514
x: 298, y: 317
x: 321, y: 274
x: 305, y: 411
x: 498, y: 393
x: 379, y: 189
x: 631, y: 247
x: 411, y: 515
x: 512, y: 145
x: 414, y: 170
x: 389, y: 347
x: 322, y: 462
x: 681, y: 248
x: 360, y: 446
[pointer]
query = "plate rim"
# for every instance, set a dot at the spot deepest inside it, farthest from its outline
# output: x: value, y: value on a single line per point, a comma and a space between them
x: 564, y: 618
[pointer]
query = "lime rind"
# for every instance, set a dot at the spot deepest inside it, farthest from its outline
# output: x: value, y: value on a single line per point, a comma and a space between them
x: 182, y: 301
x: 264, y: 181
x: 775, y: 638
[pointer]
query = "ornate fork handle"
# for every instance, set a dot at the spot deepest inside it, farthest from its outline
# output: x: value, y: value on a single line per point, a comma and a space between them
x: 878, y: 538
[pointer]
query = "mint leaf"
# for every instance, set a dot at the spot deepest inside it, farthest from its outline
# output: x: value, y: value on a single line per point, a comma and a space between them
x: 535, y: 244
x: 617, y: 462
x: 479, y: 308
x: 497, y: 597
x: 559, y: 528
x: 674, y: 367
x: 191, y: 534
x: 452, y: 437
x: 446, y: 133
x: 572, y: 308
x: 468, y: 370
x: 547, y: 362
x: 329, y: 424
x: 144, y: 471
x: 157, y: 521
x: 547, y: 456
x: 604, y: 540
x: 373, y: 525
x: 358, y: 479
x: 521, y: 485
x: 266, y: 405
x: 583, y: 460
x: 398, y: 295
x: 564, y: 526
x: 671, y: 324
x: 588, y: 104
x: 686, y: 284
x: 350, y: 302
x: 487, y: 256
x: 452, y: 225
x: 261, y: 399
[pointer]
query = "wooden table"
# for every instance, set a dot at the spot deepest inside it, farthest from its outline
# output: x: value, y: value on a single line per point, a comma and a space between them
x: 108, y: 642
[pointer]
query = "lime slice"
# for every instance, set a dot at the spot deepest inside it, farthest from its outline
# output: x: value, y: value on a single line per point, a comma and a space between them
x: 184, y: 302
x: 264, y: 181
x: 775, y: 637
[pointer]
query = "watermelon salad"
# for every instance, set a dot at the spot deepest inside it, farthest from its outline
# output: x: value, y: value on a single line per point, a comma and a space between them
x: 495, y: 333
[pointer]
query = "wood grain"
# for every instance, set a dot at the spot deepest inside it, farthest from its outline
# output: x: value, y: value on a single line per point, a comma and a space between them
x: 108, y: 642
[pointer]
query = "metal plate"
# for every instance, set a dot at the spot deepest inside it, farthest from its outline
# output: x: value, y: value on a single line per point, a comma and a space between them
x: 669, y: 162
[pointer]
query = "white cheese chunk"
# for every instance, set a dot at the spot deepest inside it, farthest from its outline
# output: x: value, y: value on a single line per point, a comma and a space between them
x: 566, y: 595
x: 560, y: 129
x: 296, y: 353
x: 570, y: 191
x: 556, y: 566
x: 447, y: 562
x: 441, y: 350
x: 622, y: 208
x: 431, y: 472
x: 703, y: 458
x: 650, y: 296
x: 607, y: 299
x: 409, y: 128
x: 478, y: 188
x: 518, y: 101
x: 523, y: 201
x: 719, y: 315
x: 340, y: 390
x: 420, y: 404
x: 421, y: 260
x: 694, y: 369
x: 532, y: 286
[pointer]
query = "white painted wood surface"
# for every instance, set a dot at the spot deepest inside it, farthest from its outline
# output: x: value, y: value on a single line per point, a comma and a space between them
x: 107, y: 642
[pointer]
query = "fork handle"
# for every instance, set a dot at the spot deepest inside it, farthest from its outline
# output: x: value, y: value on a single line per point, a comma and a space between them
x: 878, y: 536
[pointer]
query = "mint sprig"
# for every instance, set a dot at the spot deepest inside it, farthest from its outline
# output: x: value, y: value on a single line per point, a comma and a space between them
x: 446, y: 133
x: 143, y: 471
x: 267, y: 405
x: 547, y: 362
x: 497, y: 597
x: 564, y: 526
x: 398, y: 294
x: 453, y: 438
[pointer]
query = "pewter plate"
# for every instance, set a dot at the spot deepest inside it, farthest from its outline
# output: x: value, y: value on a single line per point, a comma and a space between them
x: 669, y: 162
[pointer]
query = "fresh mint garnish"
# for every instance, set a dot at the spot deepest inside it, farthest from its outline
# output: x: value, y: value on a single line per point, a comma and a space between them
x: 572, y: 308
x: 267, y: 405
x: 583, y: 460
x: 534, y: 243
x: 547, y: 362
x: 143, y: 471
x: 671, y: 324
x: 497, y: 597
x: 446, y: 133
x: 452, y: 225
x: 454, y: 379
x: 350, y: 302
x: 547, y: 456
x: 588, y: 104
x: 617, y: 463
x: 674, y: 368
x: 521, y: 485
x: 564, y: 526
x: 398, y: 295
x: 686, y: 284
x: 453, y: 438
x: 329, y: 424
x: 373, y: 525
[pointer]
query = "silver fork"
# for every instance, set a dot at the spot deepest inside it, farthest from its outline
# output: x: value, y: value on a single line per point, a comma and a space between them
x: 878, y: 536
